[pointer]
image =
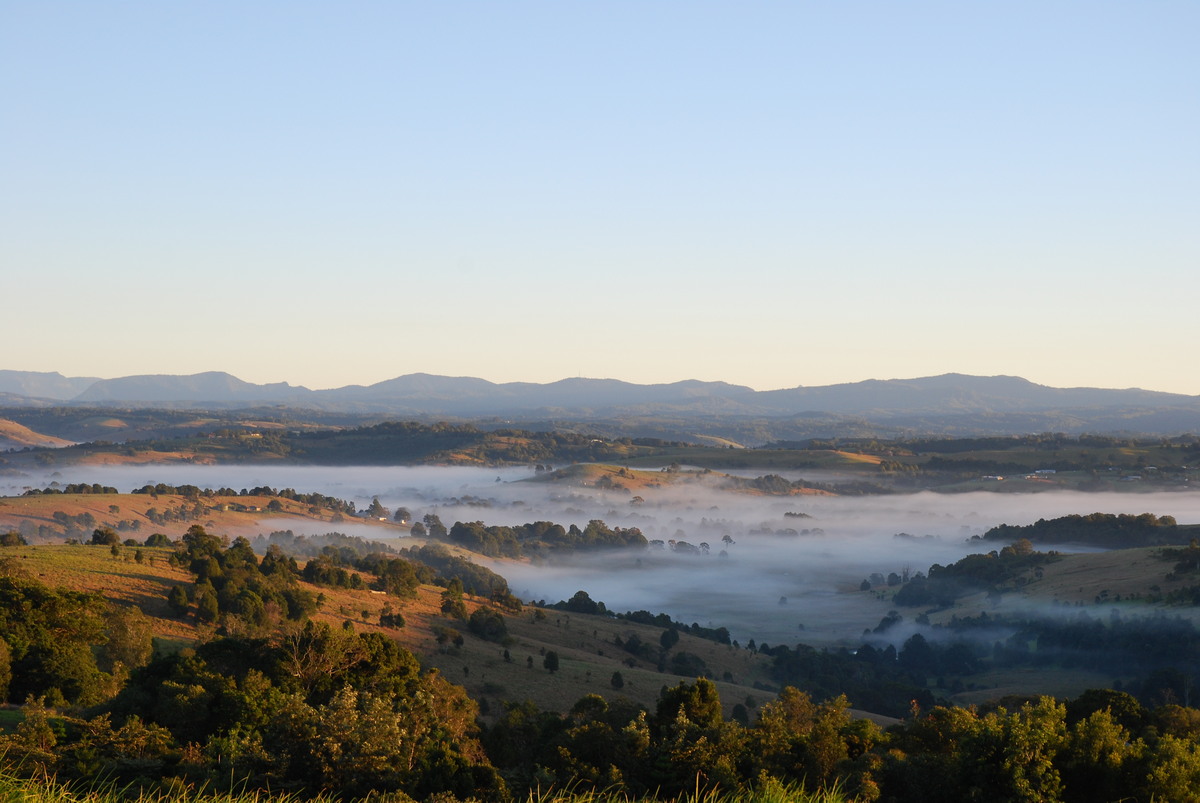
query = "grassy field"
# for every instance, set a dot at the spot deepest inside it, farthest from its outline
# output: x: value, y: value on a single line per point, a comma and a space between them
x: 219, y: 514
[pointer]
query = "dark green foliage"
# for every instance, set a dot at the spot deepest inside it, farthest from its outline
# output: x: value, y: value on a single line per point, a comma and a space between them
x: 51, y: 636
x: 1121, y: 531
x: 5, y: 669
x: 687, y: 663
x: 323, y: 572
x: 389, y: 618
x: 325, y: 709
x: 871, y: 678
x: 376, y: 510
x: 717, y: 634
x: 476, y: 580
x: 434, y: 527
x: 208, y: 609
x: 699, y: 703
x: 550, y: 661
x: 130, y: 643
x: 74, y: 488
x: 581, y: 602
x: 106, y: 536
x: 669, y: 638
x: 344, y: 549
x: 177, y: 600
x: 488, y: 625
x: 231, y: 582
x: 994, y: 572
x: 396, y: 576
x: 12, y: 538
x: 452, y: 600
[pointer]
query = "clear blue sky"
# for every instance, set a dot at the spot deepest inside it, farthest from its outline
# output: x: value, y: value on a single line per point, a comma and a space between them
x: 772, y: 194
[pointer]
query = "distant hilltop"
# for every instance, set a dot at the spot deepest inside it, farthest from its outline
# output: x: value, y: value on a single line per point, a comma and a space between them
x: 1008, y: 402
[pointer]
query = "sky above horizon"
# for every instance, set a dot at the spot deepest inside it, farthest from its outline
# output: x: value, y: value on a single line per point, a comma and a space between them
x: 772, y: 194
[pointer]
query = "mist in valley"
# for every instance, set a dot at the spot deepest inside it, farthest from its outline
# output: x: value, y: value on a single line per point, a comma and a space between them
x: 775, y: 569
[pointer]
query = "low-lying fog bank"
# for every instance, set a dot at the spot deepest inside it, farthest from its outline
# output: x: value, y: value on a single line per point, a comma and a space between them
x: 786, y: 562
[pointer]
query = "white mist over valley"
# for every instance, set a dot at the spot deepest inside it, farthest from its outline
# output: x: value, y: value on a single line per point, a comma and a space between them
x: 775, y: 569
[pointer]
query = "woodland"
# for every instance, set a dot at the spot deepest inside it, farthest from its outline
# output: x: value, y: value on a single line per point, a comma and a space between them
x: 145, y: 652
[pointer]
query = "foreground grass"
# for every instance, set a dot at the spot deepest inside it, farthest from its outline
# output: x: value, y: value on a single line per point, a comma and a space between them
x: 19, y: 790
x: 13, y: 789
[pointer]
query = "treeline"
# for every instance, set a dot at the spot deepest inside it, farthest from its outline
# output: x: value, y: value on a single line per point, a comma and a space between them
x: 395, y: 442
x: 318, y: 711
x: 73, y: 488
x: 582, y: 602
x: 346, y: 547
x: 1111, y: 531
x: 1157, y: 654
x: 994, y: 572
x: 542, y: 538
x: 235, y: 588
x: 475, y: 579
x: 775, y: 485
x: 313, y: 500
x: 329, y: 712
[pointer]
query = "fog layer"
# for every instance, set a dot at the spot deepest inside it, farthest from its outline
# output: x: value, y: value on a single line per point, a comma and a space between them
x: 777, y: 569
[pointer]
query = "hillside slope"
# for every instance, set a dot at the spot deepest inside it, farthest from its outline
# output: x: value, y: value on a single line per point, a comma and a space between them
x: 18, y: 436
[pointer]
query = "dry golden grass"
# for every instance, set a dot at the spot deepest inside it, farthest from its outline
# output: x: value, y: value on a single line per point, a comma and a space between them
x: 18, y: 436
x: 120, y: 579
x: 40, y: 510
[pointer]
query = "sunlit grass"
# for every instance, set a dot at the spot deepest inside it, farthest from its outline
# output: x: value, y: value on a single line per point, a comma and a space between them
x: 770, y: 792
x: 48, y: 790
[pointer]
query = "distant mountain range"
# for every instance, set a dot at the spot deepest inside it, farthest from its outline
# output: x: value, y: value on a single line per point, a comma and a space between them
x: 954, y: 401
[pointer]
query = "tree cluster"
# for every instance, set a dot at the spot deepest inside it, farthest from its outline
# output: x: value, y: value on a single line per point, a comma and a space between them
x: 1111, y: 531
x: 543, y: 538
x: 234, y: 588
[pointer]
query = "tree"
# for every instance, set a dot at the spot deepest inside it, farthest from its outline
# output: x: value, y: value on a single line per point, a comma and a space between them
x: 5, y: 669
x: 35, y: 731
x: 200, y: 544
x: 177, y: 600
x: 434, y: 525
x: 550, y: 662
x: 377, y: 510
x: 617, y: 682
x: 488, y: 625
x: 130, y: 642
x: 700, y: 704
x: 106, y: 536
x: 402, y: 516
x: 452, y: 600
x: 207, y: 608
x: 669, y: 638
